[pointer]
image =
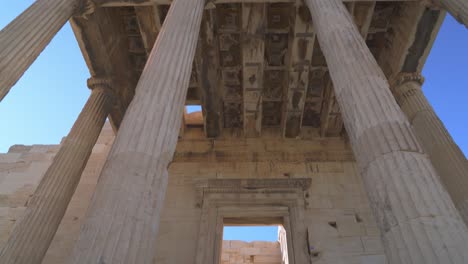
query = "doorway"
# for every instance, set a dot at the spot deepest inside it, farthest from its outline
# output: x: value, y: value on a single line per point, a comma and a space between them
x: 251, y: 241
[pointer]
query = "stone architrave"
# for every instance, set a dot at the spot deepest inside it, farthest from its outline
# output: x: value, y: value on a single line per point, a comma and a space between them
x: 457, y: 8
x: 122, y: 221
x: 444, y: 153
x: 25, y: 38
x: 416, y: 217
x: 31, y: 236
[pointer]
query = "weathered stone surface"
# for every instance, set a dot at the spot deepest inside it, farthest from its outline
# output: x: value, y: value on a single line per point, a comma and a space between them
x: 31, y: 236
x: 336, y: 194
x: 444, y: 153
x: 413, y: 210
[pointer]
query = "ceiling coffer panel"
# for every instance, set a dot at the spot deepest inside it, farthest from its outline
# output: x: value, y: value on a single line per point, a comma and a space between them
x: 258, y: 66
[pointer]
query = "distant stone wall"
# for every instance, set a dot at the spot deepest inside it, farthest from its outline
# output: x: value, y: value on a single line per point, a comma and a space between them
x: 256, y: 252
x: 22, y: 168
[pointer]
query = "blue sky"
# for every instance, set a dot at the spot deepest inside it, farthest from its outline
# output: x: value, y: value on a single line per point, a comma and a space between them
x: 42, y: 107
x: 251, y: 233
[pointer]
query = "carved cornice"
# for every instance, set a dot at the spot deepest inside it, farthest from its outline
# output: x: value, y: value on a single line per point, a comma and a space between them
x: 251, y: 186
x: 242, y: 185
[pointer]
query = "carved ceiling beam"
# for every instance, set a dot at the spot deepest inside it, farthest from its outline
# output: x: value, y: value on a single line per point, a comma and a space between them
x: 279, y: 26
x: 317, y: 84
x: 108, y: 3
x: 207, y: 67
x: 103, y: 43
x: 301, y: 49
x: 229, y: 33
x: 350, y: 6
x: 158, y: 21
x: 194, y: 92
x: 253, y: 29
x: 328, y: 101
x: 149, y: 23
x: 332, y: 121
x: 363, y: 13
x: 414, y: 32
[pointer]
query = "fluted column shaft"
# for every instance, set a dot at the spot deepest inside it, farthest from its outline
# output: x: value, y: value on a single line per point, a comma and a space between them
x: 457, y: 8
x: 24, y: 38
x: 32, y: 235
x: 447, y: 158
x: 416, y: 217
x: 122, y: 221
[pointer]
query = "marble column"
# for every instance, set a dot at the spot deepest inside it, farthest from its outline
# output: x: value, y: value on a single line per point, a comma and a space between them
x: 447, y: 158
x: 122, y: 221
x: 416, y: 217
x: 25, y: 38
x: 31, y: 236
x: 457, y: 8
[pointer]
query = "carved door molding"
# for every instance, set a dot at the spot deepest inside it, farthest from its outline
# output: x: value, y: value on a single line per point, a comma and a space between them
x: 254, y: 201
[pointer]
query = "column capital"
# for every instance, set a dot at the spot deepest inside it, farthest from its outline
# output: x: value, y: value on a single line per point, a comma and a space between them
x: 404, y: 77
x: 103, y: 85
x: 99, y: 82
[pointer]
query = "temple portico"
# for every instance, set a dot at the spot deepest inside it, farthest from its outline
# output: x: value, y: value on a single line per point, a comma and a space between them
x: 309, y: 120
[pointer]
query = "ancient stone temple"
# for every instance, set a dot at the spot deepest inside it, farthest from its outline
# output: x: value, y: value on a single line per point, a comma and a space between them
x: 313, y: 119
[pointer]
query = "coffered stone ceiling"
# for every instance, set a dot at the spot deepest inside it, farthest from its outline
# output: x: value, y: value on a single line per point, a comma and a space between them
x: 259, y: 69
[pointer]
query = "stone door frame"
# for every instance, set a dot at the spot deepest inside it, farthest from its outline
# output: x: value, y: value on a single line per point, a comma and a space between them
x: 265, y: 201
